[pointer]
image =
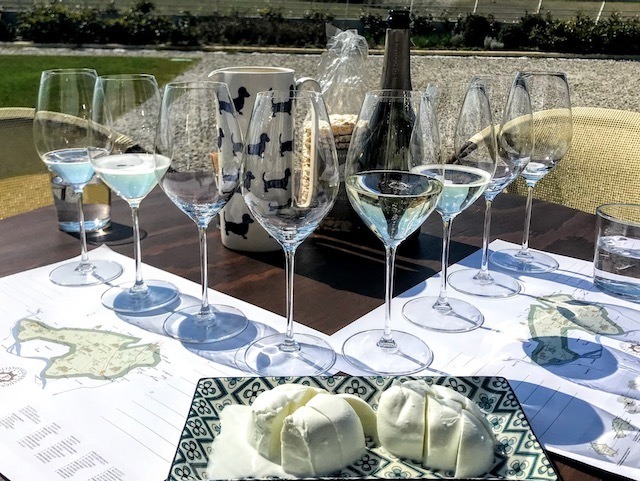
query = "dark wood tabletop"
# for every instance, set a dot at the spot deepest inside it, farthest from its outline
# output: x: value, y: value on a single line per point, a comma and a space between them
x: 347, y: 269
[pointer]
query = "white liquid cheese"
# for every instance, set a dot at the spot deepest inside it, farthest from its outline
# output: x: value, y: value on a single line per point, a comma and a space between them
x: 437, y: 427
x: 308, y: 431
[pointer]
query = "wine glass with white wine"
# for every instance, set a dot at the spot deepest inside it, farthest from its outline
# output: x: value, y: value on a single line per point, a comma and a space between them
x: 514, y: 136
x: 470, y: 162
x: 126, y: 109
x: 553, y: 130
x: 62, y: 136
x: 395, y: 134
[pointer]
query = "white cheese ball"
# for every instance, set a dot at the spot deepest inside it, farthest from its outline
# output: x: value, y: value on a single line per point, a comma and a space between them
x: 435, y: 426
x: 269, y: 411
x: 308, y: 431
x: 321, y: 437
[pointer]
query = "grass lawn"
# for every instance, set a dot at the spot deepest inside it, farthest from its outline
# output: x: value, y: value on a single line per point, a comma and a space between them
x: 20, y: 75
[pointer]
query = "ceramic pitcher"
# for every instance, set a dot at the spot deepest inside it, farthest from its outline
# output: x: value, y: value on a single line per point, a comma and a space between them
x: 239, y: 230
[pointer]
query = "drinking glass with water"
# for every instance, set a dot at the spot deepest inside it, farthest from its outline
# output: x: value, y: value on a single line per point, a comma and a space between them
x: 617, y: 256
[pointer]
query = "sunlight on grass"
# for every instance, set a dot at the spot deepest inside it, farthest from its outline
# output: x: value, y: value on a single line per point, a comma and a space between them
x: 20, y: 74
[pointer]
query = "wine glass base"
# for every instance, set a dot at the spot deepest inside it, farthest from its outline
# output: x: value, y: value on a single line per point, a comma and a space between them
x: 461, y: 317
x: 410, y: 354
x: 533, y: 263
x: 72, y: 275
x: 265, y: 356
x: 497, y: 286
x: 190, y: 325
x: 159, y: 294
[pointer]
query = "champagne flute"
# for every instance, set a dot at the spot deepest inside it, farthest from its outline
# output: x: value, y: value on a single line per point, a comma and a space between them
x: 126, y: 110
x: 61, y: 132
x: 394, y: 135
x: 551, y: 107
x: 471, y: 168
x: 515, y: 143
x: 203, y: 172
x: 289, y: 192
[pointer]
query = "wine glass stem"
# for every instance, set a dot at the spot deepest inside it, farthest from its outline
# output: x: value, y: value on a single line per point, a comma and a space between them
x: 484, y: 265
x: 289, y: 257
x: 443, y: 302
x: 85, y: 264
x: 139, y: 285
x: 390, y: 254
x: 527, y: 221
x: 204, y: 274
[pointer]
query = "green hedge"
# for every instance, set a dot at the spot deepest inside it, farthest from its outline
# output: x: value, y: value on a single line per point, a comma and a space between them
x: 58, y: 23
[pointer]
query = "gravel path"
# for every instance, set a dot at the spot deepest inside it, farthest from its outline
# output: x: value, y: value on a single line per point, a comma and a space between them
x: 596, y: 83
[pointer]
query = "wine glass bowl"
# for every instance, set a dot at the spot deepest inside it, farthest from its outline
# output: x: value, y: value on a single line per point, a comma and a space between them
x: 125, y: 114
x: 202, y: 173
x: 62, y: 136
x: 552, y: 124
x: 470, y: 154
x: 511, y: 105
x: 393, y: 136
x: 290, y: 182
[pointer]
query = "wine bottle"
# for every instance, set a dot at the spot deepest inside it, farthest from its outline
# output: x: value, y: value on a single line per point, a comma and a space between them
x: 396, y: 68
x: 391, y: 124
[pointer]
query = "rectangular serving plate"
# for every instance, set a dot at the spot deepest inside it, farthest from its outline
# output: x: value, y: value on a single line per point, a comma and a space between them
x: 519, y: 455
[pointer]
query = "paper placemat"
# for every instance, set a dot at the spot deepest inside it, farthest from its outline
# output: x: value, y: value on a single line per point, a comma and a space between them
x: 88, y: 395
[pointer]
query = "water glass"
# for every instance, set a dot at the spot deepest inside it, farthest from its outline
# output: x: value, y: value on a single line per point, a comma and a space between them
x: 617, y: 257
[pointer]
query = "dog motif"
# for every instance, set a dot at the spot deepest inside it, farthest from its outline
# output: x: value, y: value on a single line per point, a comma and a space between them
x: 220, y: 137
x: 238, y: 228
x: 286, y: 146
x: 235, y: 146
x: 258, y: 149
x: 248, y: 177
x: 224, y: 106
x: 284, y: 107
x: 277, y: 183
x: 232, y: 178
x: 238, y: 102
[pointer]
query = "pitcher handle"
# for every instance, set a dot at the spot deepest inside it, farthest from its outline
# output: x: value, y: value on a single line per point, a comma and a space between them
x: 308, y: 83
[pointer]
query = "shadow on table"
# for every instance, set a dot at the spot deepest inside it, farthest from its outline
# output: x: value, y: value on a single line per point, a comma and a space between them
x: 560, y: 419
x: 230, y: 352
x: 357, y: 264
x: 116, y: 234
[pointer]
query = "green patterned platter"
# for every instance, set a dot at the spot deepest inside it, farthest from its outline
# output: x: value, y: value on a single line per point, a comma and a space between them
x: 519, y: 455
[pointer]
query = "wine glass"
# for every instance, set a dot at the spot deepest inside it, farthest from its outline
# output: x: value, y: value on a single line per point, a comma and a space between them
x: 203, y: 172
x: 394, y: 135
x: 466, y: 174
x: 61, y: 133
x: 289, y: 191
x: 515, y: 142
x: 551, y: 107
x: 125, y: 111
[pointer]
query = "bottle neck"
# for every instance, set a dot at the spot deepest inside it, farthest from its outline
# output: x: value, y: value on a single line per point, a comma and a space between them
x: 396, y: 70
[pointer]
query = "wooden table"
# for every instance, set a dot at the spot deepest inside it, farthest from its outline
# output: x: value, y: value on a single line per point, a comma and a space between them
x: 339, y: 278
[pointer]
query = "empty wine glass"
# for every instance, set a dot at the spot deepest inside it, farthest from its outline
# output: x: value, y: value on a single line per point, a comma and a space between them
x: 515, y: 142
x: 61, y: 132
x: 551, y: 107
x: 394, y: 135
x: 197, y: 121
x: 125, y: 111
x: 465, y: 175
x: 289, y: 191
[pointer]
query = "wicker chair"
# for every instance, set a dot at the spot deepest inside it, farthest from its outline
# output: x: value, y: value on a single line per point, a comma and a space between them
x: 602, y: 165
x: 24, y: 179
